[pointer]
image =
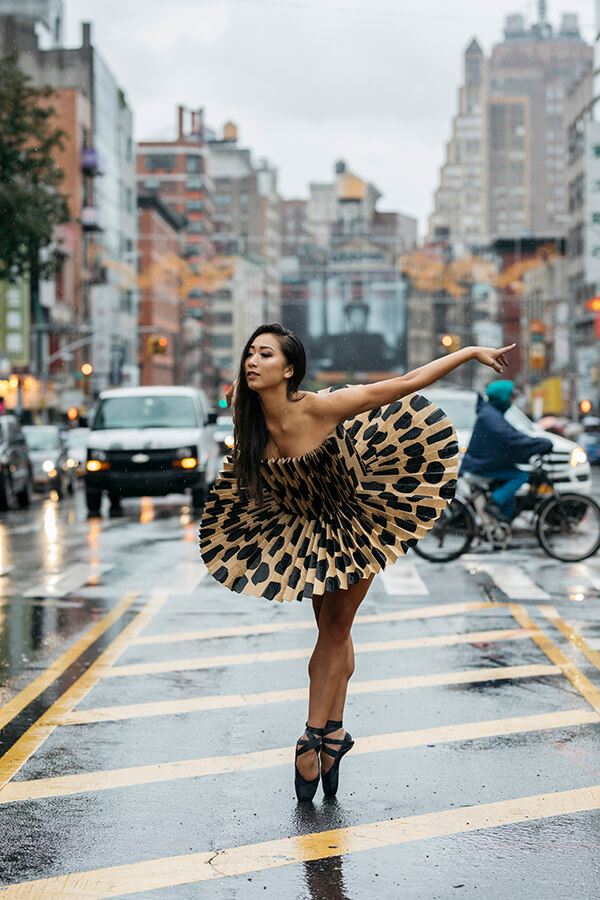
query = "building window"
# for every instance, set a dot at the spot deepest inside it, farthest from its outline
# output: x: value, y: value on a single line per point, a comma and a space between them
x: 194, y: 183
x: 193, y: 165
x: 152, y: 184
x: 222, y: 199
x: 244, y: 199
x: 195, y: 226
x: 223, y: 318
x: 222, y: 341
x: 160, y: 162
x: 195, y: 205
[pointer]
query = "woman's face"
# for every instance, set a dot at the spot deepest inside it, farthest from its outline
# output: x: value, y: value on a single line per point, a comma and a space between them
x: 265, y: 365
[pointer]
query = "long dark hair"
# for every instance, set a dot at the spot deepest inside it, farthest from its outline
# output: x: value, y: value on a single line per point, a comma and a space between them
x: 249, y: 428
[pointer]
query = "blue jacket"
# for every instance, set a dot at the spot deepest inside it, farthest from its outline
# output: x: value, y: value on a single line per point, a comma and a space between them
x: 495, y: 444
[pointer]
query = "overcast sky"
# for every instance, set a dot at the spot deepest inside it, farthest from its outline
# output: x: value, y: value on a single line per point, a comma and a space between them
x: 308, y: 81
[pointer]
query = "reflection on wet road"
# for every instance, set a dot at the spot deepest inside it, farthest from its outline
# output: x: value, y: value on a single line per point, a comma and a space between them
x: 148, y: 719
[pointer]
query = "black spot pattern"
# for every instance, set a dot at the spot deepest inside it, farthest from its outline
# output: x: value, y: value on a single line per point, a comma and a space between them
x: 338, y: 514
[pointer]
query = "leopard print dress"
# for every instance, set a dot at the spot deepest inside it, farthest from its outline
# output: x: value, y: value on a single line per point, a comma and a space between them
x: 339, y: 513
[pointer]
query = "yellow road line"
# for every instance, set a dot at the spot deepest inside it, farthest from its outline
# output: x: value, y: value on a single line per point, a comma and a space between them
x: 236, y: 659
x: 35, y: 736
x: 586, y: 688
x: 264, y: 759
x: 170, y: 871
x: 228, y: 701
x: 571, y: 635
x: 421, y: 612
x: 18, y: 703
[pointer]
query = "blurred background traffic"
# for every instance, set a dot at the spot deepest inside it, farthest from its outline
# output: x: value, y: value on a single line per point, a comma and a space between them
x: 131, y: 259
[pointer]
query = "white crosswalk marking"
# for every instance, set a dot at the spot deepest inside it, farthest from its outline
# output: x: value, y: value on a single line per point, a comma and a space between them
x: 71, y: 579
x: 511, y: 579
x: 185, y: 577
x: 403, y: 578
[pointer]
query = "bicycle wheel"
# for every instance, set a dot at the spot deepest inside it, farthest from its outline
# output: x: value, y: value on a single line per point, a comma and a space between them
x: 568, y: 527
x: 450, y: 536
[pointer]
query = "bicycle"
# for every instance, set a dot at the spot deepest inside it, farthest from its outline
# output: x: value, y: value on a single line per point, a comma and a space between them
x: 567, y: 526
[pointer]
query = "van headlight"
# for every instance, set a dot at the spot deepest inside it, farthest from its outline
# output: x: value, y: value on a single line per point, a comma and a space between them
x: 48, y: 465
x: 182, y: 452
x: 578, y: 457
x: 97, y: 454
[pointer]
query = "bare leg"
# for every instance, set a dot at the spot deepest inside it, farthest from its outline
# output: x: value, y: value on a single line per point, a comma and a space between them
x: 332, y: 662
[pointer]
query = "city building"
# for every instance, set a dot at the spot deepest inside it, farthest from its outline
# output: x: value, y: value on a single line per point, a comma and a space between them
x: 505, y: 171
x: 583, y: 264
x: 100, y: 299
x: 161, y: 304
x: 247, y: 211
x: 342, y: 290
x: 176, y: 171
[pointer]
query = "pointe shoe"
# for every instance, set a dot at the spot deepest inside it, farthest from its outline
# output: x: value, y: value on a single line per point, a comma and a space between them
x: 331, y: 777
x: 305, y: 788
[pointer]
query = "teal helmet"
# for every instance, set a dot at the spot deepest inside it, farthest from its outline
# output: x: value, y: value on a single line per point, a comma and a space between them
x: 499, y: 394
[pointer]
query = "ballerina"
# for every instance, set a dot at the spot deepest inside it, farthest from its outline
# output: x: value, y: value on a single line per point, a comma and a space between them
x: 308, y: 507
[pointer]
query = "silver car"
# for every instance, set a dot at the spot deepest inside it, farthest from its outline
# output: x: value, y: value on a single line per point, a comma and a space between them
x: 48, y: 456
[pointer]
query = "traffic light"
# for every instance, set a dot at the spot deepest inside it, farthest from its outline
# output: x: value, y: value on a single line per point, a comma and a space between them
x: 223, y: 395
x: 157, y: 344
x: 450, y: 342
x: 87, y: 369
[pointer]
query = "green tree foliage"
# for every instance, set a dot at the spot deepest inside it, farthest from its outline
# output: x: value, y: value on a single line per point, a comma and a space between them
x: 30, y: 202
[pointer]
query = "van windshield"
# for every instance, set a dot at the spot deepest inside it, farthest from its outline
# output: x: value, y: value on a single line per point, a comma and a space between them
x: 146, y: 412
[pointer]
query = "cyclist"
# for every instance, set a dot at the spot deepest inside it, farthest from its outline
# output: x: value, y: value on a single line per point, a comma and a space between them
x: 496, y: 447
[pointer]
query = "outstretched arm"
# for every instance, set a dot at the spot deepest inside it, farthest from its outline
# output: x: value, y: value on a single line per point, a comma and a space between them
x: 342, y: 404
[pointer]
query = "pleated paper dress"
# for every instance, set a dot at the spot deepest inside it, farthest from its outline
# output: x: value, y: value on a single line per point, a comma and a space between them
x: 340, y: 513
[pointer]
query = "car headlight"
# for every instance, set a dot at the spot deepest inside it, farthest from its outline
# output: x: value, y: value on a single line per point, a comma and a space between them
x: 47, y: 465
x: 184, y: 452
x: 578, y: 457
x: 228, y: 441
x: 97, y: 454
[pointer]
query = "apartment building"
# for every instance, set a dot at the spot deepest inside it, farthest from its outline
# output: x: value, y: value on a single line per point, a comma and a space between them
x: 100, y: 298
x: 505, y: 171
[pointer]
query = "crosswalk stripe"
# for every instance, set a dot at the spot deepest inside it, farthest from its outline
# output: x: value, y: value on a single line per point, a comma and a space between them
x: 580, y: 682
x: 72, y: 578
x: 421, y: 612
x: 511, y: 579
x: 236, y: 659
x: 228, y: 701
x: 18, y: 703
x: 403, y: 579
x: 170, y: 871
x: 34, y: 737
x: 184, y: 578
x: 577, y: 640
x: 64, y: 785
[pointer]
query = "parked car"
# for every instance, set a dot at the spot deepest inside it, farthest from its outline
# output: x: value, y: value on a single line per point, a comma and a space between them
x: 150, y: 441
x: 16, y: 473
x: 223, y: 434
x: 76, y: 441
x: 590, y: 438
x: 48, y: 456
x: 567, y: 463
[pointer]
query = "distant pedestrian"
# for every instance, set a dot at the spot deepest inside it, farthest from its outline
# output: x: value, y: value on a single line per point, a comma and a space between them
x: 310, y: 507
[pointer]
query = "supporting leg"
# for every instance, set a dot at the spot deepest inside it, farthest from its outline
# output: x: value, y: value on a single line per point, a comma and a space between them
x: 332, y: 661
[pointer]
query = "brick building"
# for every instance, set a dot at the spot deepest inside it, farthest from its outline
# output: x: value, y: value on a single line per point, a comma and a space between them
x: 161, y: 303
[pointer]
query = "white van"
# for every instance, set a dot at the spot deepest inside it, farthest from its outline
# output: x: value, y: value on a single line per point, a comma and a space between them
x: 150, y: 441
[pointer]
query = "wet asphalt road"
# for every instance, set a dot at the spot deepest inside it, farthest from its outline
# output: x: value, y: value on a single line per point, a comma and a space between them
x: 148, y: 718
